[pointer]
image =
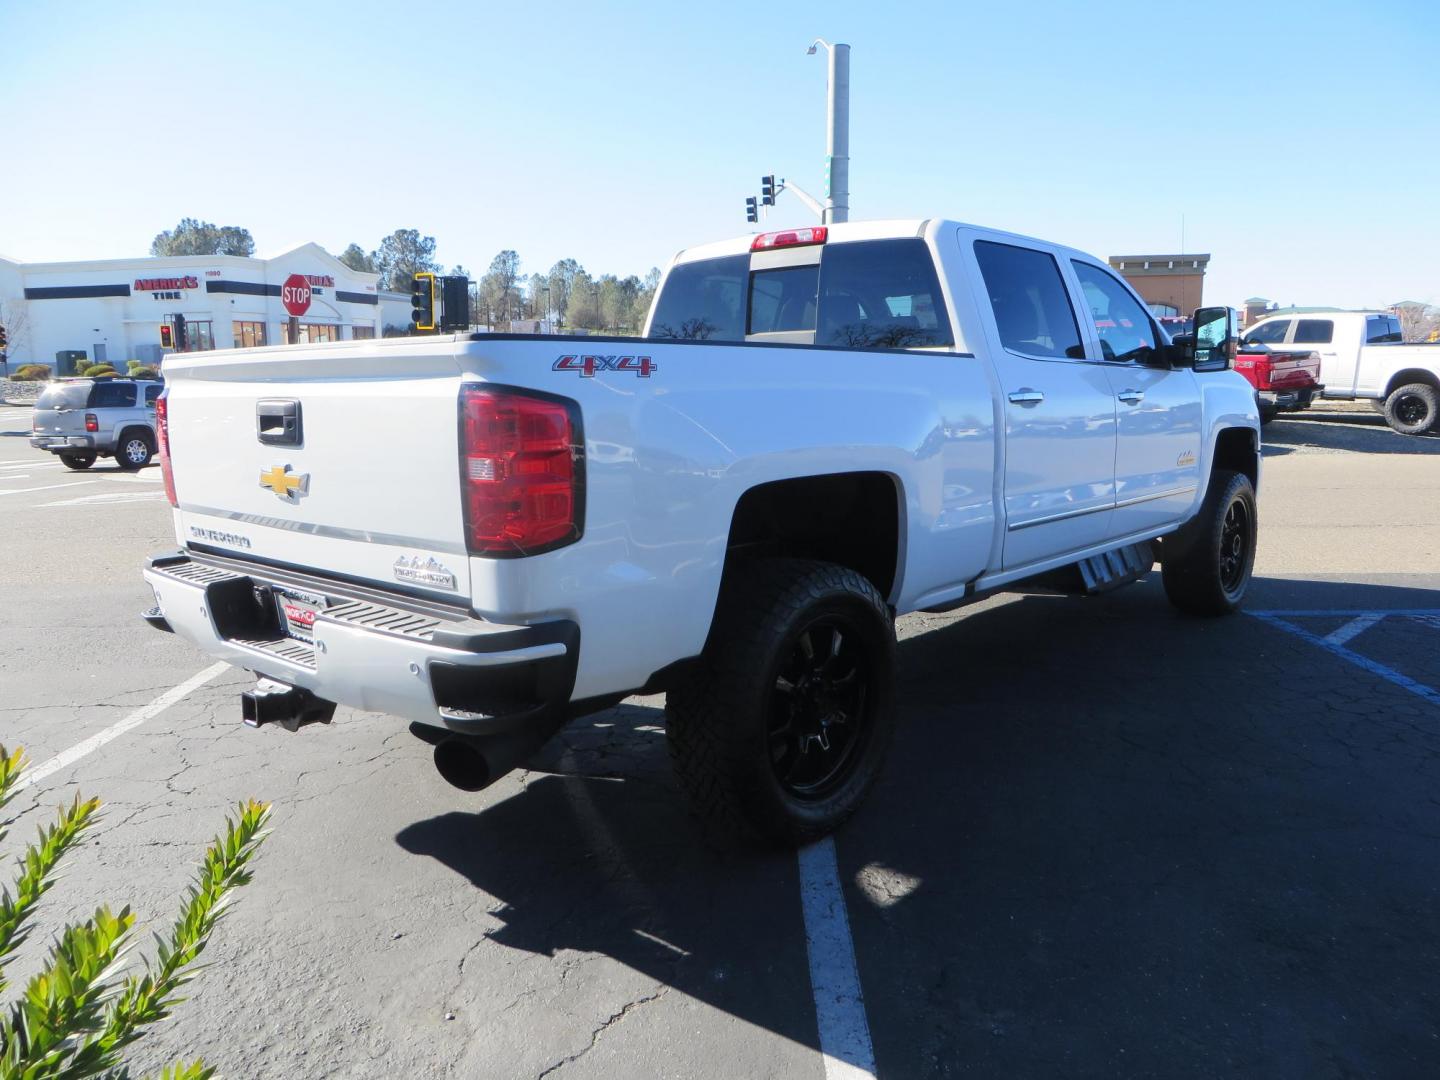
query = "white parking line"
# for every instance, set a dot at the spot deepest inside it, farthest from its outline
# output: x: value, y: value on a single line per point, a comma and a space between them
x: 45, y: 487
x: 114, y: 731
x: 1283, y: 620
x: 845, y: 1045
x: 109, y: 498
x: 31, y: 465
x: 1353, y: 628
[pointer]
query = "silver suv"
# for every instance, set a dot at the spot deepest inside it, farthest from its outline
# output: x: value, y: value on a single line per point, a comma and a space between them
x: 82, y: 419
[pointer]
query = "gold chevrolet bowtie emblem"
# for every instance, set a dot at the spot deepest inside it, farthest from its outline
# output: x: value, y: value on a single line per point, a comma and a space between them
x: 289, y: 486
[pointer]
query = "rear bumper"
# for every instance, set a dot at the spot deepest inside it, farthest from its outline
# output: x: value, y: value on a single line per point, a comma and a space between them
x: 372, y: 649
x: 63, y: 442
x: 1295, y: 398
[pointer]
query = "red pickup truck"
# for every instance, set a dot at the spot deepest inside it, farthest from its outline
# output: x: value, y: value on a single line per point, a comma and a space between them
x: 1283, y: 381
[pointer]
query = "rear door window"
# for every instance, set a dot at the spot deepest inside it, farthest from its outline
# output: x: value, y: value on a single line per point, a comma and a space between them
x: 64, y: 396
x: 1269, y: 333
x: 1381, y: 329
x: 1122, y: 325
x: 881, y: 294
x: 783, y: 300
x: 152, y: 392
x: 1314, y: 332
x: 703, y: 300
x: 108, y: 395
x: 1027, y: 294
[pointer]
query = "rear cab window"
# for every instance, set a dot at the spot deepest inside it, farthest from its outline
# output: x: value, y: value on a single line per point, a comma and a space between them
x: 1314, y: 332
x: 703, y: 300
x: 864, y: 294
x: 64, y: 396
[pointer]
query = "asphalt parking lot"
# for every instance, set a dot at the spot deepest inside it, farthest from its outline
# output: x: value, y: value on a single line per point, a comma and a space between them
x: 1110, y: 841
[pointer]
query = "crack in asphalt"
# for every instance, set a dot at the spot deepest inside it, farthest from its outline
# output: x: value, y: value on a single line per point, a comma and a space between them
x: 615, y: 1018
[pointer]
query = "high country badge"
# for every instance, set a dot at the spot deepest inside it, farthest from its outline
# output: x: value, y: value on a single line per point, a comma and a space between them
x: 416, y: 570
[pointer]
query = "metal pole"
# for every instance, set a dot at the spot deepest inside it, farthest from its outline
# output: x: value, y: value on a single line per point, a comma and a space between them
x: 837, y: 202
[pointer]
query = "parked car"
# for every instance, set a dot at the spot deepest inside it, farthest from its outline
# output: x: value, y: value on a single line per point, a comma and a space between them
x: 79, y: 420
x: 1362, y: 357
x: 1284, y: 381
x: 827, y: 427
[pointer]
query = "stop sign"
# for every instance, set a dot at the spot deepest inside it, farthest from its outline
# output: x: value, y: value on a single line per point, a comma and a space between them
x: 295, y: 294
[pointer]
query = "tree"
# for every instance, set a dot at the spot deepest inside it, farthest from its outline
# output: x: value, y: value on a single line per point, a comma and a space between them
x: 644, y: 297
x: 355, y: 258
x: 498, y: 292
x: 1415, y: 323
x: 192, y: 237
x: 15, y: 318
x: 537, y: 297
x: 402, y: 255
x: 582, y: 308
x: 562, y: 278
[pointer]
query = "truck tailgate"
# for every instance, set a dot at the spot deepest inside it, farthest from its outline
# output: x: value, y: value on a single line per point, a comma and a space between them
x: 367, y: 484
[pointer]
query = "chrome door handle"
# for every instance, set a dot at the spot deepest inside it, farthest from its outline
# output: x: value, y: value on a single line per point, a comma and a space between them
x: 1131, y: 397
x: 1026, y: 396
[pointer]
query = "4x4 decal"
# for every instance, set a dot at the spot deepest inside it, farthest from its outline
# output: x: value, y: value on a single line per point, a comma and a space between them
x: 587, y: 366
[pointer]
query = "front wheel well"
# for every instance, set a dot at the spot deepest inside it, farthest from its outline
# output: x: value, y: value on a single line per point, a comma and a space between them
x: 1411, y: 375
x: 851, y: 519
x: 1235, y: 451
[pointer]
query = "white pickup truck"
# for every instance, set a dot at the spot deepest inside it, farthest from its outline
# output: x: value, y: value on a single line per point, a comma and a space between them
x: 821, y: 429
x: 1361, y: 356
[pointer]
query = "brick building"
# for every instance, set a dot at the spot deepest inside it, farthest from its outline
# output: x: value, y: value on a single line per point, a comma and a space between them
x: 1170, y: 284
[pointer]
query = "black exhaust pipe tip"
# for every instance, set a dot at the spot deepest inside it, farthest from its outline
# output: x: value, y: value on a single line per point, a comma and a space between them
x: 462, y: 765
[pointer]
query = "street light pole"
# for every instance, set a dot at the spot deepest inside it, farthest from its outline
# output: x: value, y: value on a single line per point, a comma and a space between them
x: 837, y: 140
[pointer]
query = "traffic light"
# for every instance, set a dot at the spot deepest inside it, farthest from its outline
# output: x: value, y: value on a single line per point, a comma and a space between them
x: 3, y: 339
x: 167, y: 336
x: 767, y: 191
x: 180, y: 336
x: 422, y: 301
x: 752, y: 210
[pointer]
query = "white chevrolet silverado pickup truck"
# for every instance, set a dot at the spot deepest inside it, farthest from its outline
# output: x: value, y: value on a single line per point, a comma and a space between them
x: 1362, y: 356
x: 821, y: 429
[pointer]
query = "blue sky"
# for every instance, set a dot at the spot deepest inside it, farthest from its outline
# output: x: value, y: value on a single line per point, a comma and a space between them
x: 1299, y: 140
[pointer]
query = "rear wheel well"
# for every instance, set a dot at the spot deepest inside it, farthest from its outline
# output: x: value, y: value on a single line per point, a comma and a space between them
x: 1411, y: 375
x: 1235, y: 451
x: 851, y: 519
x: 136, y: 429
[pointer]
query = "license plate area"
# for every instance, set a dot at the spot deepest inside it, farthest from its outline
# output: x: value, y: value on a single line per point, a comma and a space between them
x: 297, y: 611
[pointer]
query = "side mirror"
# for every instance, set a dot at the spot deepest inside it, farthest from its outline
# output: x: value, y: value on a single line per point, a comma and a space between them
x: 1215, y: 341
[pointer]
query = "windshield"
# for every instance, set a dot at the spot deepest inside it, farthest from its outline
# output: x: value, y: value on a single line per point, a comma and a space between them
x: 73, y: 395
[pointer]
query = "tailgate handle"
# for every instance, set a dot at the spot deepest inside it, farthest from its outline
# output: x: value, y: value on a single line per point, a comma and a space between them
x: 277, y: 422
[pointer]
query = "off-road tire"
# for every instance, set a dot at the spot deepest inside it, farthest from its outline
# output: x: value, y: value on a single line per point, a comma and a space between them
x: 133, y: 450
x: 722, y: 722
x: 1202, y: 571
x: 1413, y: 409
x: 78, y: 462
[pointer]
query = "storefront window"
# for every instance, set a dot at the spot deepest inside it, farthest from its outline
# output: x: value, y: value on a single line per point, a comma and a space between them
x: 248, y: 335
x: 199, y: 336
x: 313, y: 332
x: 361, y: 333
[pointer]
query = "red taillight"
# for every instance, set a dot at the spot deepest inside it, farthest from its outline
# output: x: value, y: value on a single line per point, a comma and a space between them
x: 91, y: 423
x: 1256, y: 367
x: 162, y: 439
x: 521, y: 476
x: 789, y: 238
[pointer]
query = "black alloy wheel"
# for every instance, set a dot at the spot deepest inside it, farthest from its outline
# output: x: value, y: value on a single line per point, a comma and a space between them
x: 818, y: 723
x: 1235, y: 536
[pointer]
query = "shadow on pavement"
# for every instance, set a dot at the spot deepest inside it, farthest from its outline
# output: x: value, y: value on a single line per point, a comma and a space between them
x: 1361, y: 431
x: 1111, y: 840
